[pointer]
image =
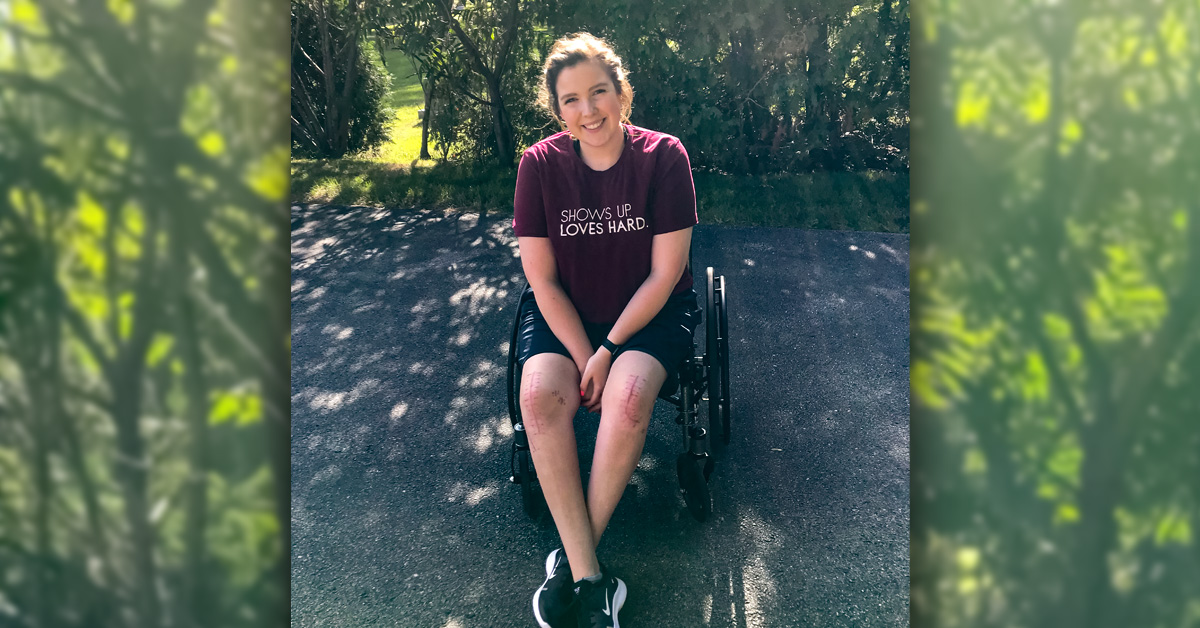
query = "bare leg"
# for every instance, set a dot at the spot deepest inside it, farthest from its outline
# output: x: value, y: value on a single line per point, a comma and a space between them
x: 549, y: 400
x: 629, y: 394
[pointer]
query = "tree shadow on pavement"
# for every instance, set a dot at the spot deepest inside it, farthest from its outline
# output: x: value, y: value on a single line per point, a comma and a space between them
x: 402, y: 513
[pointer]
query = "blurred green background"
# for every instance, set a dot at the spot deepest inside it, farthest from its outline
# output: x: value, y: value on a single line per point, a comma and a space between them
x: 793, y: 113
x: 1055, y: 449
x: 143, y: 313
x: 143, y: 306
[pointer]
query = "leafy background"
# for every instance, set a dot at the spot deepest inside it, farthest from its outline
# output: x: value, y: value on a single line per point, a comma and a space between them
x: 143, y: 313
x: 1055, y: 300
x: 793, y: 113
x: 143, y: 346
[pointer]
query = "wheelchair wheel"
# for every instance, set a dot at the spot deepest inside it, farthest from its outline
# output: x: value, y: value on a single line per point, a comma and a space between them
x: 693, y: 475
x: 514, y: 375
x: 723, y: 347
x: 712, y: 350
x: 532, y: 499
x: 531, y: 495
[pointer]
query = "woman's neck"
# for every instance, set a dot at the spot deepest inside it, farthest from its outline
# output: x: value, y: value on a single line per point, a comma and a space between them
x: 604, y: 157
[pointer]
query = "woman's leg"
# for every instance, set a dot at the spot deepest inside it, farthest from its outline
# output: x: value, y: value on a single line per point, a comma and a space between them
x: 549, y: 400
x: 633, y: 384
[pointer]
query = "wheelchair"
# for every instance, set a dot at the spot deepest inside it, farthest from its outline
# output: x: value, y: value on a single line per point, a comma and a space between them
x: 703, y: 377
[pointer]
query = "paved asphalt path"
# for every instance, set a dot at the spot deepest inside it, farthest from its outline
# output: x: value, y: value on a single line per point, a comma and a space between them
x: 402, y: 514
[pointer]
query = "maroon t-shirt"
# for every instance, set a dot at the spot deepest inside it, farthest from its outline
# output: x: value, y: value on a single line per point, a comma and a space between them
x: 601, y: 224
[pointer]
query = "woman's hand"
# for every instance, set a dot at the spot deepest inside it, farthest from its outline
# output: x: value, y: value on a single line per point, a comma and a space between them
x: 595, y: 375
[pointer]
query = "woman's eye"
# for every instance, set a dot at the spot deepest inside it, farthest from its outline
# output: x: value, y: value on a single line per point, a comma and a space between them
x: 568, y: 101
x: 601, y: 91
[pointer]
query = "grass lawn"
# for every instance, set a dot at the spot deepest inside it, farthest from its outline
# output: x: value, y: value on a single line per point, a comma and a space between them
x: 391, y: 175
x: 405, y: 98
x: 867, y: 201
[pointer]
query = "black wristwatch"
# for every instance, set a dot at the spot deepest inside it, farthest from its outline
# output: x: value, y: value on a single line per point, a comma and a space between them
x: 612, y: 348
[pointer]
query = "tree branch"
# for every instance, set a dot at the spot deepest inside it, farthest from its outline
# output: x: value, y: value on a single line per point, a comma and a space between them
x: 28, y: 83
x: 473, y: 53
x: 510, y: 35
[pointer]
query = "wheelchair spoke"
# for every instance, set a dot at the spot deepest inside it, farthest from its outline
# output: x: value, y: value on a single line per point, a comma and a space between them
x: 712, y: 384
x: 693, y: 483
x: 723, y: 347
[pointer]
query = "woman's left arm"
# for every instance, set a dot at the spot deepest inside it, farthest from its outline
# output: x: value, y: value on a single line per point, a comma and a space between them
x: 668, y: 259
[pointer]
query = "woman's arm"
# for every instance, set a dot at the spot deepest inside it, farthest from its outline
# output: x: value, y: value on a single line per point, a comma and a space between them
x: 541, y: 270
x: 668, y: 259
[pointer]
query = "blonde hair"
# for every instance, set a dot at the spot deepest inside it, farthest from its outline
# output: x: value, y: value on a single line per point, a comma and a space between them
x: 572, y: 50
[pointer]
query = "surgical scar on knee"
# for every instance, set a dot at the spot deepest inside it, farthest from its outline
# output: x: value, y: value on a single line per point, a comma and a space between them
x: 632, y: 413
x: 530, y: 390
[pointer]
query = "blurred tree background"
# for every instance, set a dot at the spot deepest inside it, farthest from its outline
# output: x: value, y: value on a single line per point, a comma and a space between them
x: 143, y: 314
x: 792, y: 96
x: 1055, y: 313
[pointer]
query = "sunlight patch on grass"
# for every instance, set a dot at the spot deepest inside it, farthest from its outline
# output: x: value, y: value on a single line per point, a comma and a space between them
x: 325, y: 191
x: 403, y: 145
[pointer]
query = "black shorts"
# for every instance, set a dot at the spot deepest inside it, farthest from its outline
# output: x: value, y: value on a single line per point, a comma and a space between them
x: 667, y: 337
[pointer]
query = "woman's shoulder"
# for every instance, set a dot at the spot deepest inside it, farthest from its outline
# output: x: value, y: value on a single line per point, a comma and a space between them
x: 550, y: 150
x: 651, y: 141
x: 657, y: 150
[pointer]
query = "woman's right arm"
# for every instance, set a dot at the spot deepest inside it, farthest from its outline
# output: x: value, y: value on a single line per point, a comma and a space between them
x: 541, y: 270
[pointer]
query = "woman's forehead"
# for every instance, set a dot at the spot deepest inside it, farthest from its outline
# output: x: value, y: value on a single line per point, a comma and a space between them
x: 581, y: 76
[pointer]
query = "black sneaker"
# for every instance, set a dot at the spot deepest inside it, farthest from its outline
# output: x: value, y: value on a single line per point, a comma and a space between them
x: 552, y: 601
x: 599, y: 601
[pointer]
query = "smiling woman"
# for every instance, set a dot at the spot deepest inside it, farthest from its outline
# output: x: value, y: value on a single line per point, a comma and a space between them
x: 603, y: 215
x: 587, y: 90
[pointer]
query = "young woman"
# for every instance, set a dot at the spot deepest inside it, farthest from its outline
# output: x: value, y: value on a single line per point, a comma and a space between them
x: 603, y: 217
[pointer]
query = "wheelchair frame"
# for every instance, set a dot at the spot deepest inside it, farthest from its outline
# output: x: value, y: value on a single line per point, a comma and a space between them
x: 704, y: 376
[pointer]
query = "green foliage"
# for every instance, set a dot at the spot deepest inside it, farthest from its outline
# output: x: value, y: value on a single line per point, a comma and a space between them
x: 461, y: 128
x: 328, y: 121
x: 1056, y: 313
x: 766, y: 86
x: 770, y: 87
x: 141, y: 230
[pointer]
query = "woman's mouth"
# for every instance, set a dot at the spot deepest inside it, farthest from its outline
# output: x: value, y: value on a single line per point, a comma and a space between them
x: 594, y: 126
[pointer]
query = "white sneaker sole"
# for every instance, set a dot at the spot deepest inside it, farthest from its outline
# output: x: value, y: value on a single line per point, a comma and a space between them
x: 538, y: 594
x: 618, y: 600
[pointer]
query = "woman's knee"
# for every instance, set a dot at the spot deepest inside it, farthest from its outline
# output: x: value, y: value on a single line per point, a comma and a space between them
x: 546, y: 396
x: 632, y: 389
x: 631, y: 399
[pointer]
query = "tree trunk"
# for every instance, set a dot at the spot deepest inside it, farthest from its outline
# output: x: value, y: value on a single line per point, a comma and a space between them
x: 345, y: 101
x: 196, y: 593
x: 380, y: 49
x: 41, y: 521
x: 816, y: 106
x: 425, y: 119
x: 327, y: 58
x: 47, y: 367
x: 900, y: 51
x: 501, y: 124
x: 125, y: 381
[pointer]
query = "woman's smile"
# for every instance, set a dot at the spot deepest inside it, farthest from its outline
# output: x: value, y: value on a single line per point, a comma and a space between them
x: 591, y: 108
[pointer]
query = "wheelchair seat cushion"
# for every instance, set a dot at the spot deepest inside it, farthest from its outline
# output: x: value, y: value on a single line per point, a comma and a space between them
x: 667, y: 337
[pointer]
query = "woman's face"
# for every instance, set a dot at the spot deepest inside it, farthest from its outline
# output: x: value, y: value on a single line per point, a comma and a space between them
x: 589, y: 105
